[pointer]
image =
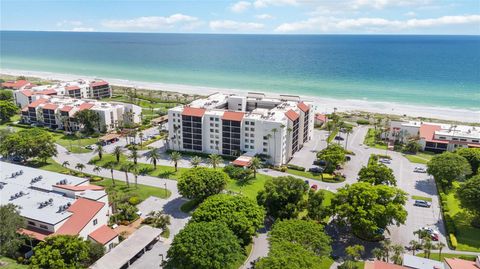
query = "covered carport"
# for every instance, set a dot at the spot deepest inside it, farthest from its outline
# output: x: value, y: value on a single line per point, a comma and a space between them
x: 127, y: 251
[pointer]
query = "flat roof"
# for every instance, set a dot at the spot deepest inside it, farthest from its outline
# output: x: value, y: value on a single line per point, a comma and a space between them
x: 420, y: 263
x: 128, y: 248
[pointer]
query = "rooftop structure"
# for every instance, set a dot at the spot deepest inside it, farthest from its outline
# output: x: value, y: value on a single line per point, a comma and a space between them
x: 53, y: 203
x: 230, y: 124
x: 414, y: 262
x: 382, y: 265
x: 456, y: 263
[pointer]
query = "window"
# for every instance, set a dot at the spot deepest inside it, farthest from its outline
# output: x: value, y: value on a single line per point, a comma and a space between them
x: 463, y: 139
x: 211, y: 124
x: 265, y: 137
x: 475, y: 141
x: 211, y: 130
x: 252, y: 147
x: 211, y: 136
x: 252, y: 129
x: 31, y: 223
x: 247, y: 123
x: 265, y: 143
x: 216, y: 124
x: 252, y: 123
x: 264, y: 150
x: 43, y: 227
x: 211, y: 118
x: 95, y: 222
x: 216, y: 131
x: 246, y: 128
x: 246, y: 140
x: 455, y: 139
x: 110, y: 246
x: 252, y: 141
x: 252, y: 135
x: 211, y: 141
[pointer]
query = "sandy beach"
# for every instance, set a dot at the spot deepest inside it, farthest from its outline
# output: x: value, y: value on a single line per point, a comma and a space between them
x: 323, y: 105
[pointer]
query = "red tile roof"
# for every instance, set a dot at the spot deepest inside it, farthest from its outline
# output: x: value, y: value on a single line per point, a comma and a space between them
x: 31, y: 85
x: 80, y: 188
x: 292, y: 115
x: 85, y: 106
x: 15, y: 84
x: 242, y: 161
x: 50, y: 106
x: 66, y: 108
x: 27, y: 93
x: 193, y: 111
x: 382, y: 265
x: 427, y: 132
x: 303, y: 107
x: 456, y: 263
x: 36, y: 233
x: 24, y: 109
x: 72, y: 88
x: 83, y: 211
x: 103, y: 235
x: 232, y: 115
x: 47, y: 92
x: 98, y: 83
x: 37, y: 102
x: 321, y: 117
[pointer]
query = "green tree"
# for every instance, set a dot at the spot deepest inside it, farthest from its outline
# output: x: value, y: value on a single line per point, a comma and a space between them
x: 117, y: 151
x: 369, y: 209
x: 126, y: 167
x: 214, y: 160
x: 60, y: 251
x: 195, y: 161
x: 255, y: 164
x: 377, y: 253
x: 283, y: 197
x: 377, y: 174
x: 6, y: 95
x: 289, y: 255
x: 99, y: 150
x: 134, y: 155
x: 175, y: 157
x: 354, y: 252
x: 153, y: 156
x: 7, y: 110
x: 65, y: 164
x: 316, y: 210
x: 10, y: 222
x: 157, y: 219
x: 204, y: 245
x: 412, y: 147
x: 200, y: 182
x: 448, y: 167
x: 307, y: 233
x: 473, y: 157
x: 398, y: 251
x: 97, y: 169
x: 111, y: 166
x: 95, y: 252
x: 89, y: 119
x: 333, y: 155
x: 469, y: 196
x: 80, y: 166
x: 29, y: 143
x: 241, y: 215
x: 414, y: 245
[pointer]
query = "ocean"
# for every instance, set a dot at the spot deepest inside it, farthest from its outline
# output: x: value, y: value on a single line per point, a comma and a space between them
x: 441, y: 71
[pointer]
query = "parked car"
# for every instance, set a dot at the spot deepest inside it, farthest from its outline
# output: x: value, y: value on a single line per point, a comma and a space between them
x: 314, y: 187
x: 422, y: 203
x: 385, y: 161
x: 419, y: 170
x: 316, y: 170
x: 89, y: 147
x: 348, y: 158
x: 339, y: 138
x: 320, y: 162
x: 434, y: 234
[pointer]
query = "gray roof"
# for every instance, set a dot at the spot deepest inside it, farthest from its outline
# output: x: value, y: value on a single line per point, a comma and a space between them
x: 21, y: 191
x: 421, y: 263
x: 127, y: 249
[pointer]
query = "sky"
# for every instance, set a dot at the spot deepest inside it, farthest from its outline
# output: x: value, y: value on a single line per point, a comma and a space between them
x: 245, y: 16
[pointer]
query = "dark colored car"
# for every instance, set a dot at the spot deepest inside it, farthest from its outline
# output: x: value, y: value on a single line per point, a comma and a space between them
x: 422, y: 203
x: 320, y: 162
x: 339, y: 138
x: 316, y: 170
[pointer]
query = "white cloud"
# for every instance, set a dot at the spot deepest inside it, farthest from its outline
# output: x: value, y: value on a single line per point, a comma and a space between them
x: 264, y: 17
x: 154, y: 22
x: 332, y: 24
x: 380, y: 4
x: 83, y: 29
x: 266, y: 3
x: 410, y: 14
x: 228, y: 25
x: 241, y: 6
x: 69, y: 23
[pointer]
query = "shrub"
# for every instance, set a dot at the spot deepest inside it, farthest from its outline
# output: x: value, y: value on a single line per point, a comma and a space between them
x: 96, y: 179
x: 134, y: 200
x: 363, y: 122
x: 295, y: 167
x: 453, y: 241
x: 450, y: 224
x: 283, y: 169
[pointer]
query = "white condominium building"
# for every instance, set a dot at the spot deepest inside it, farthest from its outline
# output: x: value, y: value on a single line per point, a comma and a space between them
x: 56, y: 204
x: 24, y: 91
x: 233, y: 125
x: 58, y: 112
x: 436, y: 137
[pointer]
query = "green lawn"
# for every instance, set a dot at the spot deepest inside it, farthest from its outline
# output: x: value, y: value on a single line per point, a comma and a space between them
x: 11, y: 264
x: 249, y: 189
x: 311, y: 175
x: 74, y: 144
x: 371, y: 142
x: 468, y: 237
x: 420, y: 157
x: 417, y: 197
x: 142, y: 192
x: 50, y: 165
x: 436, y: 256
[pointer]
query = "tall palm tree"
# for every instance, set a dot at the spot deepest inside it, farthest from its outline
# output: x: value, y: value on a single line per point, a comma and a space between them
x: 99, y: 150
x: 274, y: 131
x: 97, y: 169
x: 175, y: 157
x: 134, y: 155
x: 377, y: 253
x: 386, y: 245
x: 195, y: 161
x: 111, y: 165
x: 141, y: 135
x: 255, y: 164
x: 135, y: 172
x: 440, y: 246
x: 117, y: 151
x: 65, y: 164
x: 398, y: 251
x: 80, y: 166
x: 414, y: 245
x: 126, y: 168
x: 269, y: 136
x: 214, y: 160
x: 153, y: 156
x: 427, y: 247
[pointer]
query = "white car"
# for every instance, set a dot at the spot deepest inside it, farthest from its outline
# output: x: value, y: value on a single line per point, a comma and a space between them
x: 385, y: 161
x: 419, y: 170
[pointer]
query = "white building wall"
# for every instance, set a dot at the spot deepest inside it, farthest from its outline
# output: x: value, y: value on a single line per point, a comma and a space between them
x: 21, y: 100
x: 102, y: 219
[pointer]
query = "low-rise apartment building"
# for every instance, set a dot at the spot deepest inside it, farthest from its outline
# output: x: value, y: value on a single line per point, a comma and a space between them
x: 76, y: 89
x: 436, y: 137
x: 57, y: 204
x: 233, y: 125
x: 58, y: 112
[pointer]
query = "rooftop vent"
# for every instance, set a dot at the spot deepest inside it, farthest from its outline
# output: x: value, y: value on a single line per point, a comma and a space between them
x: 46, y: 203
x: 63, y: 207
x: 36, y: 179
x: 18, y: 173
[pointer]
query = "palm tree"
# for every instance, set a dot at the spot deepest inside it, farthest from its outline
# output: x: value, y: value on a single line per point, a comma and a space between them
x: 269, y: 136
x: 65, y: 164
x: 134, y: 155
x: 111, y: 165
x: 440, y: 246
x: 135, y: 172
x: 80, y: 166
x: 117, y: 151
x: 427, y: 247
x: 397, y: 253
x: 274, y: 131
x: 414, y: 245
x: 153, y: 156
x: 386, y: 246
x: 126, y: 168
x: 175, y: 157
x: 377, y: 253
x: 348, y: 130
x: 158, y: 220
x: 97, y: 169
x: 255, y: 164
x: 214, y: 160
x: 195, y: 161
x: 141, y: 135
x: 99, y: 150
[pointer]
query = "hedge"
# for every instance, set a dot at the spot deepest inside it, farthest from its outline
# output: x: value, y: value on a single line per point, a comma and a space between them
x: 453, y: 241
x: 363, y: 122
x: 296, y: 167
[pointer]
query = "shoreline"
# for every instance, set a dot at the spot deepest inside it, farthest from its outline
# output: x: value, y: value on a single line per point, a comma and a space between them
x: 323, y: 104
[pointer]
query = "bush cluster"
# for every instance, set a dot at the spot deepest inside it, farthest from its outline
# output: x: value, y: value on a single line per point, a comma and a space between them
x: 295, y: 167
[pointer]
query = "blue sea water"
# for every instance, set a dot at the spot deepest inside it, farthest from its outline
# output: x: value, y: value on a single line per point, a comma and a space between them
x: 420, y: 70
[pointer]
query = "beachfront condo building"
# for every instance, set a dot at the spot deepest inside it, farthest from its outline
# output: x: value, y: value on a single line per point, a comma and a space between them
x: 24, y: 90
x: 435, y: 137
x: 233, y: 125
x: 57, y: 204
x: 58, y: 112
